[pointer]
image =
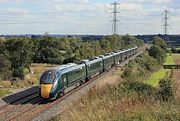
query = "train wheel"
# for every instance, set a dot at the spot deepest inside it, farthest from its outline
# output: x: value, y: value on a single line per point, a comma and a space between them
x: 60, y: 94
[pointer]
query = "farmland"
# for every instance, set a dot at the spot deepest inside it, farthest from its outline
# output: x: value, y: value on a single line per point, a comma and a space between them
x: 176, y: 58
x: 176, y: 74
x: 169, y: 59
x: 155, y: 77
x: 161, y: 73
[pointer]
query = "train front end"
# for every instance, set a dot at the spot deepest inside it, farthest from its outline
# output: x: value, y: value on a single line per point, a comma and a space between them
x: 48, y: 85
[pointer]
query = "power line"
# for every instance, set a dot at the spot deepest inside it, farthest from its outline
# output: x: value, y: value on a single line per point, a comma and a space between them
x: 115, y: 20
x: 166, y: 19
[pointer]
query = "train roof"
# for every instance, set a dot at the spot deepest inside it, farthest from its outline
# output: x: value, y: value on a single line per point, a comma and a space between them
x: 72, y: 68
x: 60, y: 68
x: 105, y: 56
x: 94, y: 60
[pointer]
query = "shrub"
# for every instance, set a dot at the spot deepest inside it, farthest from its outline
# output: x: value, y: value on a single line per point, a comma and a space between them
x: 138, y: 87
x: 167, y: 89
x: 159, y: 42
x: 158, y: 53
x: 19, y: 72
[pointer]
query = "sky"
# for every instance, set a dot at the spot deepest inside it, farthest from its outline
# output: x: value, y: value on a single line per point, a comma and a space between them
x: 86, y: 16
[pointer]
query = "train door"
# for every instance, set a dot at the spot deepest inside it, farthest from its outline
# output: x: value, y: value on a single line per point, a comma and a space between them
x: 64, y: 80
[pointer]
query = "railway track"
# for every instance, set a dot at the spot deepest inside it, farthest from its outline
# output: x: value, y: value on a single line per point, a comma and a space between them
x: 29, y: 112
x: 16, y: 105
x: 16, y: 101
x: 30, y: 106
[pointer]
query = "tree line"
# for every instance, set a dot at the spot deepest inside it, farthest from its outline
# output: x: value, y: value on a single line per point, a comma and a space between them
x: 17, y: 53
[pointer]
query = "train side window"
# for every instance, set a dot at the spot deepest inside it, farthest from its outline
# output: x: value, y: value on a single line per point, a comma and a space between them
x: 64, y: 80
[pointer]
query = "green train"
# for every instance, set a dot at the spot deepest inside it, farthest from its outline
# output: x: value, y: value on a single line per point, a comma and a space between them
x: 57, y: 81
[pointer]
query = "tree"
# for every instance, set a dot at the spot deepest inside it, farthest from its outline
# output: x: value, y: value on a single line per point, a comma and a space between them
x: 159, y: 42
x: 167, y: 89
x: 19, y: 52
x: 157, y: 53
x: 5, y: 68
x: 51, y: 51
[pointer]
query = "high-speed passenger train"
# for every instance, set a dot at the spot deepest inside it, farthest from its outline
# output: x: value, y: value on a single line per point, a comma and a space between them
x: 56, y: 81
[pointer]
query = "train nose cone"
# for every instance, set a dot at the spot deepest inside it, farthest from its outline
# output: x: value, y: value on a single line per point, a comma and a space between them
x: 45, y: 90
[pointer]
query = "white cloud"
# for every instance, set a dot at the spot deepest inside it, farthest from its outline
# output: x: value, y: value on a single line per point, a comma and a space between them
x: 14, y: 11
x: 131, y: 7
x: 75, y: 6
x: 83, y: 1
x: 154, y: 1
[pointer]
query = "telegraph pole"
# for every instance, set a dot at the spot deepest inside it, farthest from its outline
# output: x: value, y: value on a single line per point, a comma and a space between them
x: 115, y: 20
x: 166, y: 24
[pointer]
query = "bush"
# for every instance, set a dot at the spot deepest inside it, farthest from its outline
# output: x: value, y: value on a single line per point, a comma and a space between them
x: 19, y: 72
x: 138, y: 87
x: 173, y: 50
x: 159, y: 42
x: 167, y: 89
x: 139, y: 67
x: 157, y: 53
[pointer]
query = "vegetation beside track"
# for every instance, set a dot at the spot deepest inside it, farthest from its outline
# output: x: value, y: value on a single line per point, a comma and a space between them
x: 156, y: 76
x: 131, y: 98
x: 4, y: 92
x: 31, y: 79
x: 169, y: 59
x: 161, y: 73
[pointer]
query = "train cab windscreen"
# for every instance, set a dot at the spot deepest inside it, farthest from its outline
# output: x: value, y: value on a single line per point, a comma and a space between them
x: 47, y: 79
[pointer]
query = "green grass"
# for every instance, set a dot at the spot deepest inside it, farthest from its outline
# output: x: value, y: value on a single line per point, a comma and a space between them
x: 155, y: 77
x: 169, y: 59
x: 160, y: 74
x: 4, y: 92
x: 178, y: 48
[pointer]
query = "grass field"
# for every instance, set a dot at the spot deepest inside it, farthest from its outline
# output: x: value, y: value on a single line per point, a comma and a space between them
x: 169, y: 59
x: 160, y: 74
x: 4, y: 92
x: 155, y: 77
x: 178, y: 48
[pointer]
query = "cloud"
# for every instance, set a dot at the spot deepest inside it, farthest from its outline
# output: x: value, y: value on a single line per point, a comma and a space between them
x: 76, y: 6
x: 13, y: 11
x: 154, y: 1
x: 131, y: 7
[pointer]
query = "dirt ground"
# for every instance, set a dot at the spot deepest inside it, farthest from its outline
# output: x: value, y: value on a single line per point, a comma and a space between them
x: 176, y: 58
x: 176, y: 74
x: 176, y: 77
